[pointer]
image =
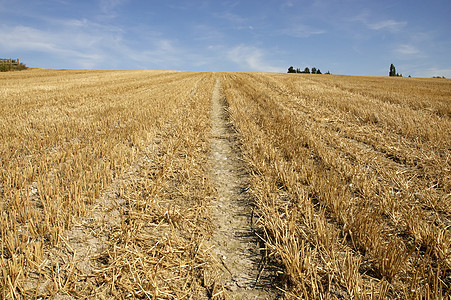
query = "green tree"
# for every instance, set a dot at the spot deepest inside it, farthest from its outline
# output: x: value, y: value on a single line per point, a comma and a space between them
x: 306, y: 70
x: 318, y: 72
x: 392, y: 71
x: 291, y: 70
x: 313, y: 70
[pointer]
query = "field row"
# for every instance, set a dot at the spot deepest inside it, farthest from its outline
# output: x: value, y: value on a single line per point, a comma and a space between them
x: 353, y: 188
x: 103, y: 184
x: 107, y: 187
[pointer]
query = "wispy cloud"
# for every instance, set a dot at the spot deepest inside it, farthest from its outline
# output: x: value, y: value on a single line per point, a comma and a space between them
x: 388, y: 24
x: 251, y: 58
x: 301, y: 31
x: 232, y: 18
x: 108, y: 7
x: 22, y: 38
x: 287, y: 4
x: 407, y: 49
x: 86, y: 44
x: 187, y: 5
x: 204, y: 32
x: 436, y: 72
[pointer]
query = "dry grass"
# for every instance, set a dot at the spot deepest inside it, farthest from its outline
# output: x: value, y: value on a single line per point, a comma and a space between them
x: 105, y: 189
x: 70, y: 139
x: 352, y: 180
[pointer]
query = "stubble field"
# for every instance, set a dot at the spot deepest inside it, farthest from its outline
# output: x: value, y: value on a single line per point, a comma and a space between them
x: 197, y: 185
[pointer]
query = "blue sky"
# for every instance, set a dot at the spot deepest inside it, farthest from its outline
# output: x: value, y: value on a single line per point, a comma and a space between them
x: 355, y: 37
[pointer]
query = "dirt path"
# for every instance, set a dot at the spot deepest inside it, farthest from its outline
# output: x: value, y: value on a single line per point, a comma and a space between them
x: 236, y: 245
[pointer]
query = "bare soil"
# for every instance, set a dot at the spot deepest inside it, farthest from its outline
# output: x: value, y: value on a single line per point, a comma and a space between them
x: 237, y: 247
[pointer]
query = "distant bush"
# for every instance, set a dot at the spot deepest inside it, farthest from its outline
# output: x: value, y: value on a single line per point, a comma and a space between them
x: 12, y: 67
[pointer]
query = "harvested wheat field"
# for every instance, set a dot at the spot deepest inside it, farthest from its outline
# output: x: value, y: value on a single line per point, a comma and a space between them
x: 198, y: 185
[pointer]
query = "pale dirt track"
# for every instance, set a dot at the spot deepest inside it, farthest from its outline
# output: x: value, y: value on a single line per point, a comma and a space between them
x: 236, y: 245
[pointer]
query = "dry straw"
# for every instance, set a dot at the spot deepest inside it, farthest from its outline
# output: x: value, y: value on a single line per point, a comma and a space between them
x: 351, y: 178
x: 105, y: 191
x: 103, y: 187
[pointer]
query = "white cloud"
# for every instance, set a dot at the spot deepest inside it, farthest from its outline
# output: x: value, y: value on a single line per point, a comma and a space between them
x: 407, y: 49
x: 252, y: 58
x: 436, y: 72
x: 205, y: 32
x: 108, y: 7
x: 301, y: 31
x: 80, y: 45
x: 232, y: 18
x: 390, y: 25
x: 83, y: 44
x: 287, y: 4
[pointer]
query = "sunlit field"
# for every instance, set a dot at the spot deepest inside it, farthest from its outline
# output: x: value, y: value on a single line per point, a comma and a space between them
x: 106, y: 187
x: 351, y: 177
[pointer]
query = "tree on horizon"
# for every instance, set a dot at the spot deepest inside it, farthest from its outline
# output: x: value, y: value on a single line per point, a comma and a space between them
x: 393, y: 71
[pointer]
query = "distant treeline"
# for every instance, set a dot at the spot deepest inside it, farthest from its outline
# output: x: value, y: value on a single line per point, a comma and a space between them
x: 306, y: 70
